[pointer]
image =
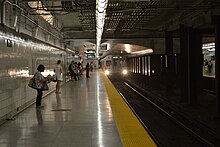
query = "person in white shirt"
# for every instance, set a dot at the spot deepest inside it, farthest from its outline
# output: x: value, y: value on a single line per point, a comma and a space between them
x: 58, y: 75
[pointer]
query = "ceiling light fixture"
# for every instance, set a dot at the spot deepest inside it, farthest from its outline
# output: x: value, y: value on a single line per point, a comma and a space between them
x: 146, y: 51
x: 101, y: 6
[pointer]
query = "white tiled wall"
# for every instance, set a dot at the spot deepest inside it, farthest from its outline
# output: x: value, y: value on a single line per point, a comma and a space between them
x: 17, y: 65
x: 19, y: 62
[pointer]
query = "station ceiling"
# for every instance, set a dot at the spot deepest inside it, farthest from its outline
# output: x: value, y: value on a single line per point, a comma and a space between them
x: 127, y: 19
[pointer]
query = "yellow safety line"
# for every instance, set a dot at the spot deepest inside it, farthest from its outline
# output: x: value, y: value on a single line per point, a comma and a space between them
x: 131, y: 132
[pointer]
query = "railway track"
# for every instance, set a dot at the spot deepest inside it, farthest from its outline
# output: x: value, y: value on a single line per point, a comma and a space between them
x: 167, y: 125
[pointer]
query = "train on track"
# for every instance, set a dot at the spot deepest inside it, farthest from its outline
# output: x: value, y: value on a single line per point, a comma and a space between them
x: 114, y: 64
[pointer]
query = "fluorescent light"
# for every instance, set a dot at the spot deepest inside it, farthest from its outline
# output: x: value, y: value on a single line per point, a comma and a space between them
x: 101, y: 6
x: 147, y: 51
x: 127, y: 48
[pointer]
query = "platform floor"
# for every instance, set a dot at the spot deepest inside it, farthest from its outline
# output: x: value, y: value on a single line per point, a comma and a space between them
x: 81, y: 116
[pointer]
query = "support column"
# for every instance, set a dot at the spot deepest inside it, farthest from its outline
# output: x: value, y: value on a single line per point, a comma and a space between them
x: 199, y: 62
x: 170, y: 63
x: 163, y: 69
x: 190, y: 50
x: 141, y: 66
x: 184, y: 63
x: 192, y: 60
x: 217, y: 62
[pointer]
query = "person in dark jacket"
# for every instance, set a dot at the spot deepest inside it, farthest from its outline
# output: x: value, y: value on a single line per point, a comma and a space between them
x: 71, y: 70
x: 87, y: 70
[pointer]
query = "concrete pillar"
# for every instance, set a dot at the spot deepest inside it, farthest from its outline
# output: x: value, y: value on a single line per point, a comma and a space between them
x: 199, y: 62
x: 141, y: 65
x: 170, y: 63
x: 216, y: 22
x: 193, y: 66
x: 184, y: 69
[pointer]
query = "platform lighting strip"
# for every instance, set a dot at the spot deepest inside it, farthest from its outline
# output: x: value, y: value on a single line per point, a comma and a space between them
x: 208, y: 45
x: 147, y: 51
x: 101, y: 6
x: 28, y: 43
x: 22, y: 41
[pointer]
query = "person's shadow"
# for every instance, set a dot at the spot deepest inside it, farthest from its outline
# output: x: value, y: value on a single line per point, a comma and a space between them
x: 58, y: 101
x: 39, y: 117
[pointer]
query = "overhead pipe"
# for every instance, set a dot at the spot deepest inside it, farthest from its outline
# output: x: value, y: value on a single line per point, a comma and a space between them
x: 40, y: 26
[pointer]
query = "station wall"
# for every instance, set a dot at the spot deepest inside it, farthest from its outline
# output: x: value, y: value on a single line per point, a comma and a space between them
x: 19, y: 60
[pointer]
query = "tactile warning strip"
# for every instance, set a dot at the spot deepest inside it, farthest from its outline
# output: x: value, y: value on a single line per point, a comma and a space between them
x: 131, y: 132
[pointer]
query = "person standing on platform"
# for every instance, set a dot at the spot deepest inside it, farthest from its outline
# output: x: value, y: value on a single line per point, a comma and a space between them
x: 80, y: 68
x: 58, y: 75
x: 91, y: 66
x: 210, y: 65
x: 87, y: 70
x: 71, y: 70
x: 40, y: 79
x: 76, y: 71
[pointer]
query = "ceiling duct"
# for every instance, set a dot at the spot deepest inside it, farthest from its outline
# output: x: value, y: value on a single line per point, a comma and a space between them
x: 78, y: 5
x: 68, y: 5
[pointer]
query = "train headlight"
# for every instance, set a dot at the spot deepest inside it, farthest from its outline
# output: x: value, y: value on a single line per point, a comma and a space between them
x: 107, y: 72
x: 124, y: 71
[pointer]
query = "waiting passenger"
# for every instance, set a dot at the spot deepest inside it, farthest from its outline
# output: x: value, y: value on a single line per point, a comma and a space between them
x: 80, y: 68
x: 87, y: 70
x: 76, y: 71
x: 58, y: 75
x: 91, y: 66
x: 210, y: 65
x: 71, y: 70
x: 40, y: 81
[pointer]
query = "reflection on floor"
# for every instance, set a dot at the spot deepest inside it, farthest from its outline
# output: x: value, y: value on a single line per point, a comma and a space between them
x: 78, y: 117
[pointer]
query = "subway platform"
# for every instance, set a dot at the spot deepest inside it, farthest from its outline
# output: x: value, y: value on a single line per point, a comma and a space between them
x: 87, y: 113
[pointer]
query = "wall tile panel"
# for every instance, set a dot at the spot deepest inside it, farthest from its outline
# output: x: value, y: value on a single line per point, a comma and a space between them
x: 18, y: 64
